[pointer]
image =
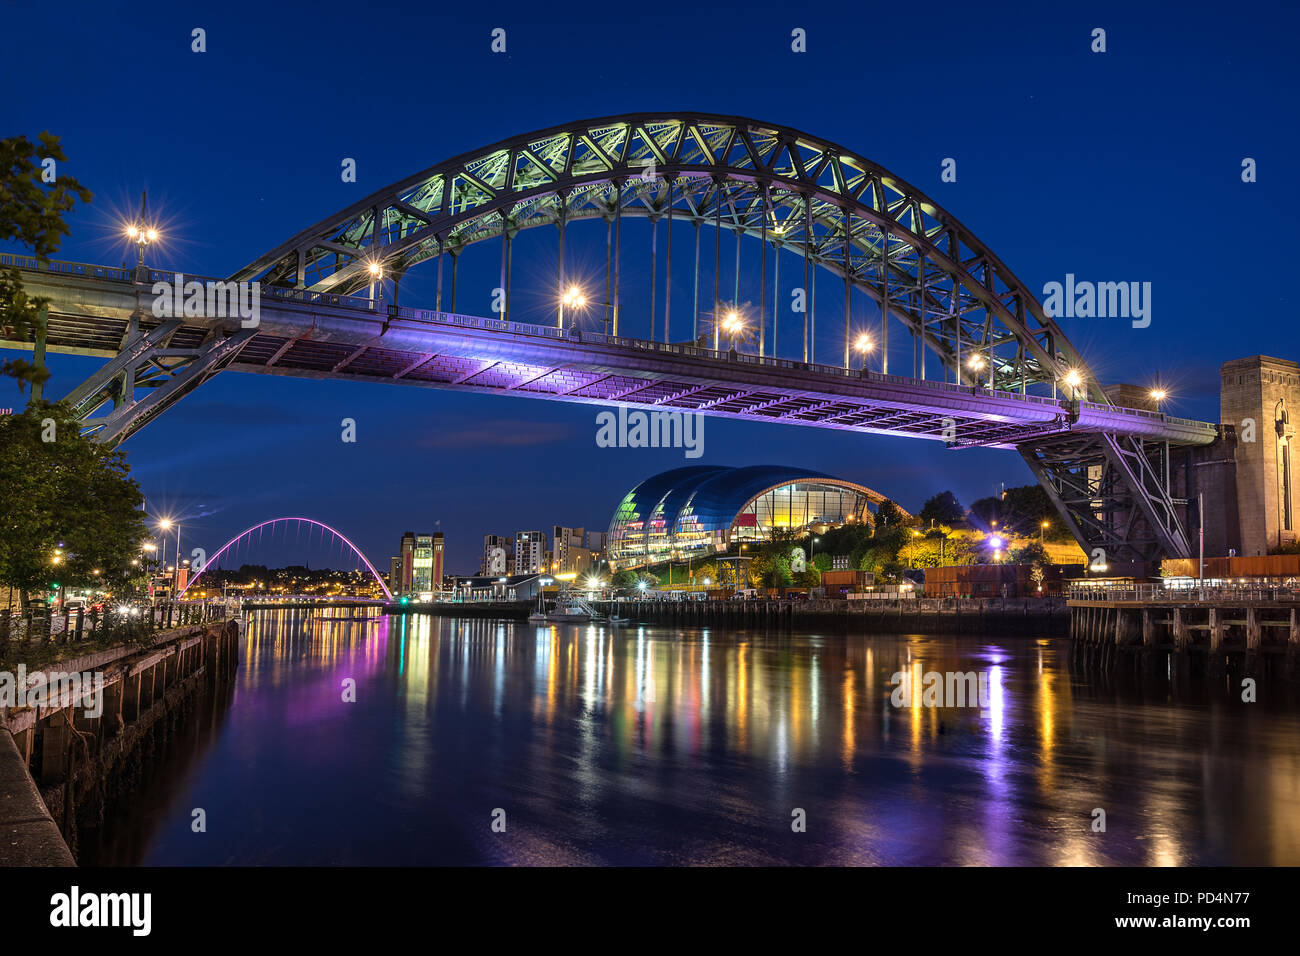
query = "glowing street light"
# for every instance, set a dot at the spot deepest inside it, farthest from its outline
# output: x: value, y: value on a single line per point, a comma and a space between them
x: 1158, y: 395
x: 140, y: 232
x: 733, y: 325
x: 864, y: 345
x: 572, y: 297
x: 1073, y: 378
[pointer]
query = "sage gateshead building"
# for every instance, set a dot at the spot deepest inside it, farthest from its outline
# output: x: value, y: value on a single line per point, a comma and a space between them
x: 704, y: 509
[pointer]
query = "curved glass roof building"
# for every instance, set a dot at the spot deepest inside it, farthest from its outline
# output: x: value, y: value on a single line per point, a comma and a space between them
x: 702, y: 509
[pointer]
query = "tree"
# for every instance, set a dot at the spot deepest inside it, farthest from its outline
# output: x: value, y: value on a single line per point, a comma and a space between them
x: 943, y: 508
x: 1031, y: 553
x: 70, y: 508
x: 888, y: 515
x: 777, y: 574
x: 987, y: 511
x: 33, y: 199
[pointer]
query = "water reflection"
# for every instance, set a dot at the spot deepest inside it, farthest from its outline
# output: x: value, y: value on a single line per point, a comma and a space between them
x: 663, y: 745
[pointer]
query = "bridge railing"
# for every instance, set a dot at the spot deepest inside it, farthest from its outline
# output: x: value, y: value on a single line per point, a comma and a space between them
x: 1209, y: 594
x: 61, y: 267
x: 1142, y: 413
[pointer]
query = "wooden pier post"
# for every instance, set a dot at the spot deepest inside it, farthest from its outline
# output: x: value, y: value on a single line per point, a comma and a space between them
x: 1253, y: 630
x: 1180, y: 630
x: 1216, y: 629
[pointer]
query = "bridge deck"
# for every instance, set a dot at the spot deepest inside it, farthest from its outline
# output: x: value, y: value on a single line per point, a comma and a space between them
x: 324, y: 335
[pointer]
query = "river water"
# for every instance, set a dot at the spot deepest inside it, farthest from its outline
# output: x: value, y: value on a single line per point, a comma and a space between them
x: 486, y: 742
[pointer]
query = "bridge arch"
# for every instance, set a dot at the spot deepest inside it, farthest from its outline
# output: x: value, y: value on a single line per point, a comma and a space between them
x: 824, y: 202
x: 272, y: 521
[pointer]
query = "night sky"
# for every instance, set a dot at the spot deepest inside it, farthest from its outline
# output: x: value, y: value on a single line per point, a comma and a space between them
x: 1122, y: 166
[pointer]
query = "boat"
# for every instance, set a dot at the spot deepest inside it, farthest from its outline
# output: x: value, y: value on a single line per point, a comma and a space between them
x: 570, y: 609
x: 539, y: 615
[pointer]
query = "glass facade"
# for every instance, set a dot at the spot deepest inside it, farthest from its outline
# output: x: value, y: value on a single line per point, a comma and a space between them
x: 702, y: 509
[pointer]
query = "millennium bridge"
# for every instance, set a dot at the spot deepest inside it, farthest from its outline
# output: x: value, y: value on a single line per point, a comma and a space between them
x: 988, y: 366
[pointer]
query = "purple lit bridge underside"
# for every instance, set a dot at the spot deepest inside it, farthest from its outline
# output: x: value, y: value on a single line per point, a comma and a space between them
x: 100, y: 311
x: 247, y: 533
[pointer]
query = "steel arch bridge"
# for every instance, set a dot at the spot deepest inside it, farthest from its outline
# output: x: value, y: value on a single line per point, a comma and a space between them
x: 326, y: 529
x: 835, y: 209
x: 1000, y: 371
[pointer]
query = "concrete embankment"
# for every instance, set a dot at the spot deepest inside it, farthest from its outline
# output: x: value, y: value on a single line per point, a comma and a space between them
x: 69, y: 758
x: 1045, y: 617
x: 507, y: 610
x: 1041, y: 617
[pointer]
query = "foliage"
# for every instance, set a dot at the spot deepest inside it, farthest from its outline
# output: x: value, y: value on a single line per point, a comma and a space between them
x: 1031, y: 553
x: 888, y: 515
x: 943, y: 508
x: 61, y: 492
x: 31, y: 214
x: 626, y: 578
x: 810, y: 578
x: 1020, y: 512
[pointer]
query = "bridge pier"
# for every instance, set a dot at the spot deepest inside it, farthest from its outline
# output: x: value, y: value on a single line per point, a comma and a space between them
x: 1181, y: 637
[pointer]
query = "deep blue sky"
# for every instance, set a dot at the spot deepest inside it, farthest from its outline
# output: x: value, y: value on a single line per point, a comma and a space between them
x: 1116, y: 166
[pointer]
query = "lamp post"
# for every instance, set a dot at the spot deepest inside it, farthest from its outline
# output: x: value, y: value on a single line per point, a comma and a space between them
x: 1074, y: 379
x: 573, y: 298
x: 733, y: 325
x: 141, y: 233
x: 864, y: 345
x: 1158, y: 395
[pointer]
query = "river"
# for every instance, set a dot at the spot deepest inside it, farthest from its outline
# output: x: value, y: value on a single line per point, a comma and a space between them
x: 486, y: 742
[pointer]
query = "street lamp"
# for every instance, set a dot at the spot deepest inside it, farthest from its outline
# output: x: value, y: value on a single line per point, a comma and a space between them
x: 1042, y: 532
x: 1074, y: 379
x: 574, y: 299
x: 140, y: 232
x: 732, y: 324
x: 1158, y: 395
x: 376, y: 271
x: 165, y: 524
x: 864, y: 345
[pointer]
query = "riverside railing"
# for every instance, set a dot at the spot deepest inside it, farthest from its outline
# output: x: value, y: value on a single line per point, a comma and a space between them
x: 1207, y: 594
x: 125, y: 622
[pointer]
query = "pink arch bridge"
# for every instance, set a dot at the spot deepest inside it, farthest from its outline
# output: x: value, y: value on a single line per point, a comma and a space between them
x: 247, y: 533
